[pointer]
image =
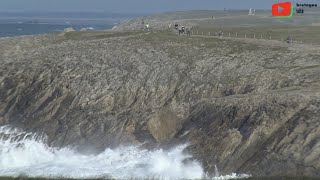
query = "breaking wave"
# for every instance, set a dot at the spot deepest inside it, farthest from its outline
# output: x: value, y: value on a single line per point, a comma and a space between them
x: 26, y: 154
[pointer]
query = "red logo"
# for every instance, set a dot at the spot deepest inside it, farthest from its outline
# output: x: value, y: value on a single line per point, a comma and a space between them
x: 281, y: 9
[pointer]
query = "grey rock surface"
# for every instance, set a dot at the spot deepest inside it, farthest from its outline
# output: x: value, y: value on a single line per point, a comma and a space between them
x: 245, y: 107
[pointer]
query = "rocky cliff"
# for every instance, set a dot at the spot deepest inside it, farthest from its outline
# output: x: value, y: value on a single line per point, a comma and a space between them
x: 246, y: 107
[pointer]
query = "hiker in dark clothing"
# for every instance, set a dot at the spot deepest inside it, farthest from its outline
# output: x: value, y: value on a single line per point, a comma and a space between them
x: 176, y: 25
x: 183, y: 29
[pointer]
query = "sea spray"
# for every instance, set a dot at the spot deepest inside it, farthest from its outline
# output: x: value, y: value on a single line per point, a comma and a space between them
x: 216, y: 171
x: 27, y: 154
x: 24, y: 153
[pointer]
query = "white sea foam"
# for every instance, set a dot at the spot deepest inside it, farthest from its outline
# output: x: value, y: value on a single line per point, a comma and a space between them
x: 26, y: 154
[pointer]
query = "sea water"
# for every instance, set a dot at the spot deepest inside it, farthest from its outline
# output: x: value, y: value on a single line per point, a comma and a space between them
x: 29, y: 28
x: 26, y: 154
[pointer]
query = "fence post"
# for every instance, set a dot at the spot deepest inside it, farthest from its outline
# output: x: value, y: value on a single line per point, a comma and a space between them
x: 245, y: 35
x: 236, y: 34
x: 209, y: 33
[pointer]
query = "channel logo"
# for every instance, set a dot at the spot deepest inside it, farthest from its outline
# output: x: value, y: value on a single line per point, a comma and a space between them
x: 282, y: 10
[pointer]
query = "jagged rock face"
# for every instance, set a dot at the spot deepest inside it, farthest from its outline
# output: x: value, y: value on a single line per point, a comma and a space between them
x: 245, y: 107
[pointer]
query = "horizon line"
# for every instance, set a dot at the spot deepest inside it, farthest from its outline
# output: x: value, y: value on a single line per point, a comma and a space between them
x: 100, y: 11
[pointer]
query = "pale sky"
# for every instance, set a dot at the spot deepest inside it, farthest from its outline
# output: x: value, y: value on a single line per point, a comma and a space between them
x: 130, y: 6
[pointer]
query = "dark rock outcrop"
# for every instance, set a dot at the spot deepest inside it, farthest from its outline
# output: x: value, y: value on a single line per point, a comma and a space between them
x: 245, y: 107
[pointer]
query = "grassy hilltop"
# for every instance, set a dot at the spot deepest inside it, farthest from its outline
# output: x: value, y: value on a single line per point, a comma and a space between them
x: 301, y: 27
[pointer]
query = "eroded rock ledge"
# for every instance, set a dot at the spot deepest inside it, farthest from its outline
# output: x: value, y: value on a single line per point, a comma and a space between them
x: 244, y: 107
